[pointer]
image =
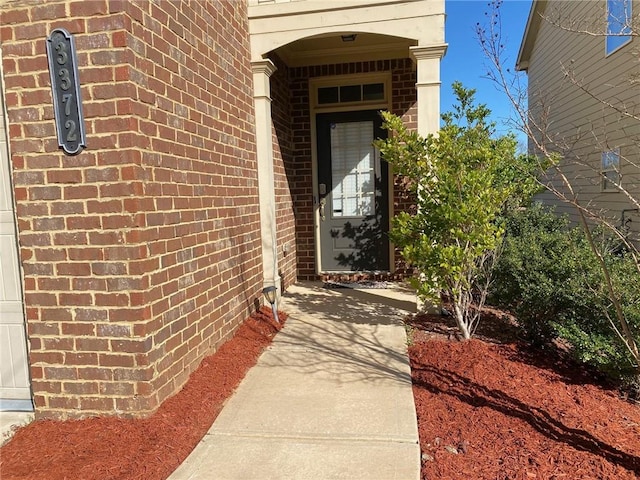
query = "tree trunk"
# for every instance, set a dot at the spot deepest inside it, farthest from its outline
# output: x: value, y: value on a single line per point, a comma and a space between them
x: 461, y: 321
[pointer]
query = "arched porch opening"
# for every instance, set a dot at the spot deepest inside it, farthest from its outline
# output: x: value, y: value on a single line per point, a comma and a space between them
x: 380, y: 62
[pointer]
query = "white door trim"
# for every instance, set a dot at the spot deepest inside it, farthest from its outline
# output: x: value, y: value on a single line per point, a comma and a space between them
x: 314, y: 109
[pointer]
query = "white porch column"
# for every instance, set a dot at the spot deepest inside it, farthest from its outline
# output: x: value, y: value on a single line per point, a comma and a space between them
x: 428, y: 86
x: 428, y: 89
x: 262, y: 70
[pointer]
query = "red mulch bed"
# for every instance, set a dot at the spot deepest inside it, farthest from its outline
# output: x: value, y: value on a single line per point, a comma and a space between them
x: 487, y: 409
x: 146, y: 449
x: 490, y: 408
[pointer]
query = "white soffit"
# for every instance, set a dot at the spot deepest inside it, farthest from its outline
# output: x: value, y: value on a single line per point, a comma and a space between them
x: 327, y: 49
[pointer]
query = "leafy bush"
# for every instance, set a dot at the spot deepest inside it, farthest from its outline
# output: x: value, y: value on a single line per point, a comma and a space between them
x: 549, y: 278
x: 537, y: 275
x: 594, y: 338
x: 462, y: 179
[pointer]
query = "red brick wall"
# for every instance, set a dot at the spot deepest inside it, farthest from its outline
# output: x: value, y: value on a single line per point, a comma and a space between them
x: 403, y: 103
x: 142, y: 253
x: 284, y: 170
x: 301, y: 181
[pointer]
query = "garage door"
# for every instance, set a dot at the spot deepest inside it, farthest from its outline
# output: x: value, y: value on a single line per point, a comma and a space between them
x: 15, y: 392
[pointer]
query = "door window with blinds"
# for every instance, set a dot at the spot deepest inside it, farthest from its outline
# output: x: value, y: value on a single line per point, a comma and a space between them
x: 354, y: 165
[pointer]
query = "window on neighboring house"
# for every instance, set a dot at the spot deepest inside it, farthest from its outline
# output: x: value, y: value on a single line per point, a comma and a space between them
x: 618, y: 24
x: 610, y: 170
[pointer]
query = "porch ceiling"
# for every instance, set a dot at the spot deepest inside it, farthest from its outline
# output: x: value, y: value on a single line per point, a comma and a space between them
x: 331, y: 48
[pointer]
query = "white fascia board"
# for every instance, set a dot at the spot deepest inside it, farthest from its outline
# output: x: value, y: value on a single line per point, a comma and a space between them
x: 397, y: 19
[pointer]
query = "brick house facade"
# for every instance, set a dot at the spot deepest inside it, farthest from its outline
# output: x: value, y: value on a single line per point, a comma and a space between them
x: 140, y: 255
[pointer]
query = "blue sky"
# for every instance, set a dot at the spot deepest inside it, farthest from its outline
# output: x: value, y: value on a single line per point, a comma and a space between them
x: 465, y: 61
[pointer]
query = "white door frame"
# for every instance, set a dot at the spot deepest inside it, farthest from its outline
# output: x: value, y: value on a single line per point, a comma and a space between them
x: 314, y: 109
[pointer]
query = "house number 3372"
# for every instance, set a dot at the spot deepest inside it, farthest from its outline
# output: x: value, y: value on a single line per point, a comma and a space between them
x: 65, y: 87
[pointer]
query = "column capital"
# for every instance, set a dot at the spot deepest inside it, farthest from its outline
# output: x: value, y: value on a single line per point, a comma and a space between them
x: 265, y: 66
x: 427, y: 60
x: 428, y: 52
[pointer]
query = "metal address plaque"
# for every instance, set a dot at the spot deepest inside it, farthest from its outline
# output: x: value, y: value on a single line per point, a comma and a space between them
x: 65, y: 86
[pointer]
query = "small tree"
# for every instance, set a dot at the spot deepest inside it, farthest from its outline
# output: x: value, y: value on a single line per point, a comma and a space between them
x: 462, y: 179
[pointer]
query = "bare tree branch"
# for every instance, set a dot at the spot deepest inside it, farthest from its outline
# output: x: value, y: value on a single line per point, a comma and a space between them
x: 535, y: 121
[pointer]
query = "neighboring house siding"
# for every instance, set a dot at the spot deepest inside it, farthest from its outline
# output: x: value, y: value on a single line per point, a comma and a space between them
x: 582, y: 126
x: 141, y: 254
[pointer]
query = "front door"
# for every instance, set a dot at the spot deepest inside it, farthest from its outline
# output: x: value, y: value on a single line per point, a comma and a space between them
x: 353, y: 205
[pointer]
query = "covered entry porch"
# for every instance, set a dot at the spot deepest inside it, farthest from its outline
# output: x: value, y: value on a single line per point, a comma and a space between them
x: 322, y: 72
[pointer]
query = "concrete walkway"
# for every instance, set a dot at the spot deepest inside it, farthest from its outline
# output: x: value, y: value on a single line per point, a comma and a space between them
x: 10, y: 421
x: 331, y: 397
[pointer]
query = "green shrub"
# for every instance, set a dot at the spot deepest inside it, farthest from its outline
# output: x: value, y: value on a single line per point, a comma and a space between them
x: 548, y: 276
x: 593, y: 337
x: 462, y: 180
x: 538, y: 276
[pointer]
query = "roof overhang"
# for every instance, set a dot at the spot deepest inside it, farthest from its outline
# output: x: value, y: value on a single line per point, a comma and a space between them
x: 310, y: 32
x: 531, y: 32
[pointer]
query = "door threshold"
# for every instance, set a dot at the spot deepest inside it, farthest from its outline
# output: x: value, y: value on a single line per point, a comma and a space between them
x: 377, y: 276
